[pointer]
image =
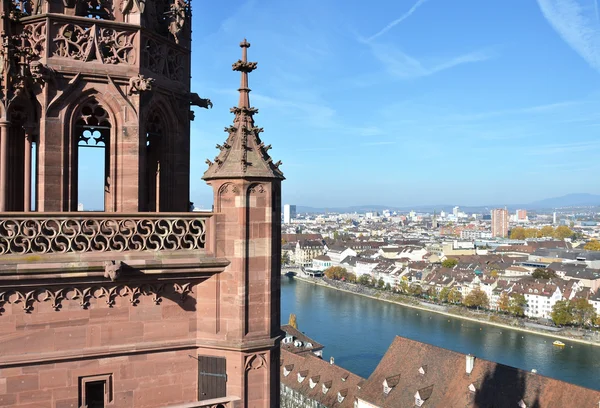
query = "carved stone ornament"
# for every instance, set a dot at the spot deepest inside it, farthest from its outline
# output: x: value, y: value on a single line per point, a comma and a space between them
x: 91, y: 42
x: 196, y: 100
x: 44, y: 235
x: 40, y: 73
x: 255, y: 361
x: 139, y: 84
x: 27, y: 298
x: 133, y: 6
x: 177, y: 15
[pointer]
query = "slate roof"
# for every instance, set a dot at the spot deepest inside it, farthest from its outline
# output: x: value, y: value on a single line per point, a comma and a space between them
x: 446, y: 383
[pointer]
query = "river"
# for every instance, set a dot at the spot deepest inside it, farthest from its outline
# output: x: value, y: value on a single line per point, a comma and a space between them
x: 357, y: 332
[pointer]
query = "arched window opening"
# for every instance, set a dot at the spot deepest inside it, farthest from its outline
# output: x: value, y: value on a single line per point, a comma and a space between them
x: 16, y: 157
x: 92, y: 132
x: 154, y: 138
x: 96, y: 9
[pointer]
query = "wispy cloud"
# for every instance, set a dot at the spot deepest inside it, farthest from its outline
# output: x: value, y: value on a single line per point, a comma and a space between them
x: 381, y: 143
x: 577, y: 25
x: 397, y: 21
x: 546, y: 108
x: 403, y: 66
x: 564, y: 148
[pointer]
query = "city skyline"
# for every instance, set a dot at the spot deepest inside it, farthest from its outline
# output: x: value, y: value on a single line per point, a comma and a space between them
x: 408, y: 103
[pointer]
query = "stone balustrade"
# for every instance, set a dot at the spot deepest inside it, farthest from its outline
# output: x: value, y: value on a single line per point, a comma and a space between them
x: 84, y: 232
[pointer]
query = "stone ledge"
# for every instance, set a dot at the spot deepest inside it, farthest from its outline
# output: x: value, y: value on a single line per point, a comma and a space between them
x: 208, y: 403
x: 97, y: 352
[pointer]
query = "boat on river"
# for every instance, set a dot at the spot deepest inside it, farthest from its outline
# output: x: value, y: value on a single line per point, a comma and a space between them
x: 558, y: 343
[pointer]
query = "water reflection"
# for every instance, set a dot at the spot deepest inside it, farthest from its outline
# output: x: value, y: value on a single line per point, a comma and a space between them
x: 357, y: 331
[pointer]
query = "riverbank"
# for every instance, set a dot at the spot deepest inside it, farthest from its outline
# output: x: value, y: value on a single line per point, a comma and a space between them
x: 443, y: 310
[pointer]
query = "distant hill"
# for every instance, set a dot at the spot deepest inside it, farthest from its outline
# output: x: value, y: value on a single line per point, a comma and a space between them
x: 569, y: 200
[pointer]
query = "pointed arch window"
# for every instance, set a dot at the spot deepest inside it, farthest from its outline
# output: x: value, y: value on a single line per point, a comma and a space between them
x: 92, y: 133
x: 154, y: 143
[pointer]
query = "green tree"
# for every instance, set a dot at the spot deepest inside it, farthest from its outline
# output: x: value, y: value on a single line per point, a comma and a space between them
x: 593, y: 245
x: 562, y: 232
x: 285, y: 258
x: 541, y: 273
x: 388, y: 287
x: 546, y: 231
x: 403, y: 286
x: 380, y: 283
x: 494, y: 274
x: 415, y: 289
x: 449, y: 263
x: 443, y: 295
x: 517, y: 233
x: 432, y: 293
x: 562, y: 313
x: 504, y: 302
x: 364, y: 280
x: 517, y: 304
x: 454, y: 296
x: 350, y: 277
x: 583, y: 311
x: 476, y: 298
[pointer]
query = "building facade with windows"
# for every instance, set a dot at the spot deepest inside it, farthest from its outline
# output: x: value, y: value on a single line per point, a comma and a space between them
x: 500, y: 223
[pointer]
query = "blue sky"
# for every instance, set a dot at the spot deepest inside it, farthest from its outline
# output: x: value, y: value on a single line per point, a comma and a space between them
x: 406, y: 102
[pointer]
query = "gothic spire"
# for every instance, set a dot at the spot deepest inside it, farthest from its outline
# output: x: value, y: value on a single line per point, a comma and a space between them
x: 243, y: 154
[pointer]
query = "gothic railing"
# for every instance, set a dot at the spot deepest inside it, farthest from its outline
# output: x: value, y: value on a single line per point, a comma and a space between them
x: 60, y: 233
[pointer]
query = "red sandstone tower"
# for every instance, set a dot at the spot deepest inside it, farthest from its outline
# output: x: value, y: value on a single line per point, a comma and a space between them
x: 247, y: 200
x: 144, y: 304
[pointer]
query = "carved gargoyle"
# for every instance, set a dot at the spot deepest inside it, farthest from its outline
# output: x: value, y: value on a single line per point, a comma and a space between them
x: 196, y: 100
x: 41, y: 74
x: 139, y: 84
x: 112, y: 270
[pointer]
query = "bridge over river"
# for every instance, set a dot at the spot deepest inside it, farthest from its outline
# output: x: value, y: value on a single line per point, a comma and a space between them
x: 357, y: 331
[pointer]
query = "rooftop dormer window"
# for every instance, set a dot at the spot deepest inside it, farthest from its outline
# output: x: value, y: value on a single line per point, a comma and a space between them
x: 341, y: 395
x: 297, y: 343
x: 326, y: 387
x: 423, y: 370
x: 302, y: 375
x: 287, y: 369
x: 472, y: 388
x: 308, y: 345
x: 312, y: 383
x: 522, y: 404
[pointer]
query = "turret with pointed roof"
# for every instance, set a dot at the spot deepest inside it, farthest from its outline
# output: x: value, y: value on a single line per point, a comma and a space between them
x: 243, y: 154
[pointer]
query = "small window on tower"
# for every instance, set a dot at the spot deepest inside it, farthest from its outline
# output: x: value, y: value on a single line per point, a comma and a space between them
x: 95, y: 391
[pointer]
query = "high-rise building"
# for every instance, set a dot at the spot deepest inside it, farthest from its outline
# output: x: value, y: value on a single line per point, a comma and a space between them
x: 455, y: 211
x: 500, y: 222
x: 289, y: 213
x: 521, y: 215
x: 554, y: 218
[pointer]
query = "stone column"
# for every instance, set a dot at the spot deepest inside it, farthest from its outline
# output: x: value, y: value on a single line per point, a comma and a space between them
x: 27, y: 170
x: 3, y: 164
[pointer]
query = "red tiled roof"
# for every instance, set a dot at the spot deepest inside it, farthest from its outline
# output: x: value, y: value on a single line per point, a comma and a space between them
x: 446, y: 383
x: 335, y: 378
